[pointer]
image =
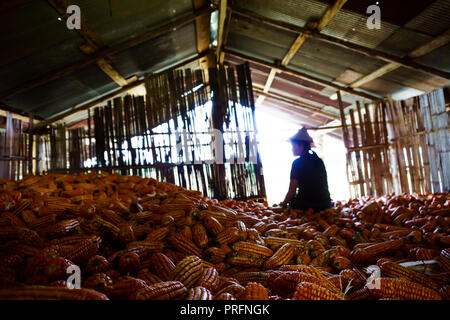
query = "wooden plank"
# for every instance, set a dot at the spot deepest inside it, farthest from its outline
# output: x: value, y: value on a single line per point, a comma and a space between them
x: 221, y: 27
x: 375, y: 74
x: 103, y: 53
x: 301, y: 38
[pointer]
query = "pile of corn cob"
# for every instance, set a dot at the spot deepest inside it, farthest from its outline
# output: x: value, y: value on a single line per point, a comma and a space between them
x: 137, y: 238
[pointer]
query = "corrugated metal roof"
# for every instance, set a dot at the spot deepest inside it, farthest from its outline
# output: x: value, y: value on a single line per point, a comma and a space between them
x: 329, y: 61
x: 128, y: 18
x: 291, y: 11
x: 353, y: 27
x: 434, y: 20
x: 158, y: 53
x: 403, y: 41
x: 439, y: 58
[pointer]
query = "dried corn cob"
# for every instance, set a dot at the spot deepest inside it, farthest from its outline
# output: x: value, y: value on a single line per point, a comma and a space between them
x: 162, y: 266
x: 282, y: 256
x: 209, y: 279
x: 362, y: 255
x: 304, y: 268
x: 228, y: 235
x: 311, y: 291
x: 234, y: 289
x: 402, y: 289
x: 148, y: 277
x: 125, y: 287
x: 395, y: 270
x: 224, y: 296
x: 257, y: 276
x: 213, y: 225
x: 361, y: 294
x: 188, y: 271
x: 199, y: 293
x: 183, y: 245
x: 285, y: 284
x: 78, y: 253
x: 252, y: 248
x: 275, y: 243
x: 245, y: 260
x: 199, y: 235
x: 255, y: 291
x: 158, y: 234
x: 113, y: 217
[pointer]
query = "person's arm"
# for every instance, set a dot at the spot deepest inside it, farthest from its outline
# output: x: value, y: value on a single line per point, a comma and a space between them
x: 291, y: 192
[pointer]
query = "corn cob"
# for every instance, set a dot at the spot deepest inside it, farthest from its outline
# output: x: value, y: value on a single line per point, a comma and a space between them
x: 245, y: 260
x: 14, y: 220
x: 214, y: 255
x: 282, y: 256
x: 78, y: 253
x: 402, y: 289
x: 213, y: 225
x: 444, y: 263
x: 257, y: 276
x: 188, y: 271
x: 445, y: 253
x: 394, y: 270
x: 224, y: 296
x: 114, y: 218
x: 158, y: 234
x: 285, y: 284
x: 228, y: 235
x: 341, y: 263
x: 148, y: 277
x: 305, y: 269
x: 162, y: 266
x: 275, y: 243
x: 254, y: 236
x: 255, y: 291
x: 125, y: 287
x: 71, y: 240
x: 175, y: 256
x: 199, y: 293
x: 242, y: 230
x: 331, y: 231
x: 43, y: 222
x: 360, y: 256
x: 99, y: 282
x: 302, y: 258
x: 209, y: 279
x: 60, y: 228
x: 183, y: 245
x: 50, y: 293
x: 361, y: 294
x: 220, y: 267
x: 149, y: 247
x: 105, y: 228
x: 21, y: 205
x: 199, y: 235
x: 235, y: 289
x: 311, y: 291
x: 224, y: 220
x: 350, y: 276
x: 252, y: 248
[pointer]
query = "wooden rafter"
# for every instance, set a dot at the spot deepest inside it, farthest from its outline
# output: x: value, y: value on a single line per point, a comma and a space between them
x: 104, y: 53
x: 301, y: 38
x: 405, y: 62
x: 221, y: 30
x: 203, y: 35
x: 302, y: 75
x: 109, y: 96
x: 93, y: 42
x: 437, y: 42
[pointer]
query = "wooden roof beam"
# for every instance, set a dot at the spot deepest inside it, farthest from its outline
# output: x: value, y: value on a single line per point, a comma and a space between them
x: 324, y: 20
x: 221, y: 30
x: 93, y: 43
x: 405, y: 62
x: 106, y: 52
x: 437, y: 42
x: 303, y: 75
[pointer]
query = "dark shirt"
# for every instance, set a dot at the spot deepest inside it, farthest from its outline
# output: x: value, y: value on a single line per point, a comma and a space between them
x: 312, y: 189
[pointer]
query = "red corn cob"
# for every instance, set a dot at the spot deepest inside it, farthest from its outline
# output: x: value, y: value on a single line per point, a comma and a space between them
x: 394, y: 270
x: 178, y: 242
x: 209, y: 279
x: 187, y: 271
x: 162, y: 266
x: 282, y: 256
x: 255, y: 291
x: 403, y: 290
x: 199, y: 293
x: 310, y: 291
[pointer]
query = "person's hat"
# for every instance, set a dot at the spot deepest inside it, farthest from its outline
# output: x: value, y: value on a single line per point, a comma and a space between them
x: 302, y: 135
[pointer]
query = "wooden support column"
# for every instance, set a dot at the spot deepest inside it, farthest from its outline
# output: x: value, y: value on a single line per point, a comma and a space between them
x: 203, y: 35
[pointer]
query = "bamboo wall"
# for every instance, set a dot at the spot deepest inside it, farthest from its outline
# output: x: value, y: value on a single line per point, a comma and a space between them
x: 401, y: 146
x: 184, y: 131
x: 20, y: 153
